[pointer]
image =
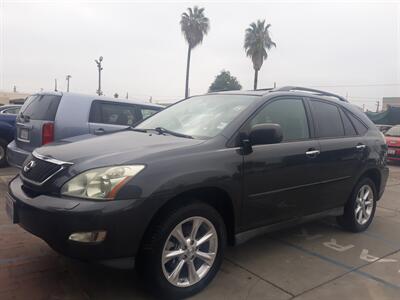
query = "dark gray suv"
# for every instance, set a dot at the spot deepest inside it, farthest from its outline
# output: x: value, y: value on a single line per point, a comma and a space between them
x: 211, y: 169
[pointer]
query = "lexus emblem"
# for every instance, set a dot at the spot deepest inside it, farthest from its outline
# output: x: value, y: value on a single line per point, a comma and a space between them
x: 29, y: 166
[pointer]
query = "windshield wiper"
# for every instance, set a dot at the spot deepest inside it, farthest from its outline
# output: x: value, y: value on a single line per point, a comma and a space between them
x: 162, y: 130
x: 137, y: 129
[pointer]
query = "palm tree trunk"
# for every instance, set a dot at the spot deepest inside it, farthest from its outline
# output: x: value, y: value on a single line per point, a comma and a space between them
x: 187, y: 72
x: 255, y: 79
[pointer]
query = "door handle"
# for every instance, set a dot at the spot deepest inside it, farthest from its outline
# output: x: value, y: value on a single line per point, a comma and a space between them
x: 99, y: 131
x: 360, y: 147
x: 312, y: 153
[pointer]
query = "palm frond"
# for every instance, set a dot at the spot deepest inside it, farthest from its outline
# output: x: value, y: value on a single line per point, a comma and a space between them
x: 194, y: 25
x: 257, y: 41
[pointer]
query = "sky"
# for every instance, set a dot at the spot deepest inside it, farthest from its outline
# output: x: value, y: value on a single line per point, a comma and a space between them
x: 347, y: 47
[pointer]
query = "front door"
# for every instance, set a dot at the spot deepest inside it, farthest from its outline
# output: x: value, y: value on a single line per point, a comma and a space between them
x: 278, y: 178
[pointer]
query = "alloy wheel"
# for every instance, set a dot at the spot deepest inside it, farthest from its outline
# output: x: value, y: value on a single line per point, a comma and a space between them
x: 189, y: 252
x: 364, y: 204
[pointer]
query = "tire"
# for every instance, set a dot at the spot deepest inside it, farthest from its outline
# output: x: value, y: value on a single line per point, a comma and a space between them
x: 351, y: 219
x: 3, y: 151
x: 154, y: 268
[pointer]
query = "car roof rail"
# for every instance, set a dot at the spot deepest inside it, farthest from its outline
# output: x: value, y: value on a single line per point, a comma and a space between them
x: 313, y: 91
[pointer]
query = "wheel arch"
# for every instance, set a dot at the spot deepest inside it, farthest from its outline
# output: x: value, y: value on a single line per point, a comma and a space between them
x: 375, y: 176
x: 216, y: 197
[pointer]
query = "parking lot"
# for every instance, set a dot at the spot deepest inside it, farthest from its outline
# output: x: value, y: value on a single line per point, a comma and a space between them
x: 315, y: 261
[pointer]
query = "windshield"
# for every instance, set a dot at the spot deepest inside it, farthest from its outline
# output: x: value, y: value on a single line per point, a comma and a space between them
x: 200, y: 117
x: 394, y: 131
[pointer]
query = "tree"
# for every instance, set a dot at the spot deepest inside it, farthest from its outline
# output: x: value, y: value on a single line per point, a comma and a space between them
x: 256, y: 43
x: 194, y: 26
x: 224, y: 81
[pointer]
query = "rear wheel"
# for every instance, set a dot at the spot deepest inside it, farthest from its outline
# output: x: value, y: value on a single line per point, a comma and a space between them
x: 183, y: 252
x: 360, y: 209
x: 3, y: 151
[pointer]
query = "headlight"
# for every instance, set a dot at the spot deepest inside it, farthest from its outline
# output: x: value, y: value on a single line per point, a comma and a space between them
x: 101, y: 183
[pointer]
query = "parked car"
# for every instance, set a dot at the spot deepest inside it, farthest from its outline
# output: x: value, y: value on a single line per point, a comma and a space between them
x: 393, y: 142
x: 211, y: 169
x: 383, y: 128
x: 10, y: 109
x: 8, y: 113
x: 52, y: 116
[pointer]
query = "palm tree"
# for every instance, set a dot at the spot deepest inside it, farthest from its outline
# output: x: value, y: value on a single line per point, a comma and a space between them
x: 194, y: 26
x: 256, y: 43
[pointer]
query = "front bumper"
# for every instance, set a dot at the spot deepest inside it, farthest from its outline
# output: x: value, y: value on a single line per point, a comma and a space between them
x: 54, y: 219
x: 16, y: 156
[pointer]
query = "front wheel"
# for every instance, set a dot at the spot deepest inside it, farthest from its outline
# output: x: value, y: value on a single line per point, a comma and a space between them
x: 360, y: 209
x: 183, y: 252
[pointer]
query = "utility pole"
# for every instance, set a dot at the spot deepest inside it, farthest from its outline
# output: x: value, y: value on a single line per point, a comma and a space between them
x: 377, y: 105
x: 126, y: 95
x: 100, y: 68
x: 55, y: 84
x: 274, y: 84
x: 68, y: 78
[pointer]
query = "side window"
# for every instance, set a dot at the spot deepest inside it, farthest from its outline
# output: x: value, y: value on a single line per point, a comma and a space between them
x: 112, y: 113
x: 360, y: 127
x: 348, y: 126
x: 146, y: 112
x: 290, y: 114
x: 328, y: 122
x: 11, y: 111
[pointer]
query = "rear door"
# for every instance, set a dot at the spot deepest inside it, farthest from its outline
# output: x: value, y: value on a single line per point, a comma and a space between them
x: 38, y: 111
x: 108, y: 116
x: 342, y: 151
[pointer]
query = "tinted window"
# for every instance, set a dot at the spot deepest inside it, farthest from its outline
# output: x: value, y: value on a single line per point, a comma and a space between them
x: 348, y: 126
x: 41, y: 107
x: 290, y: 114
x: 112, y: 113
x: 146, y: 112
x: 360, y: 127
x: 327, y: 119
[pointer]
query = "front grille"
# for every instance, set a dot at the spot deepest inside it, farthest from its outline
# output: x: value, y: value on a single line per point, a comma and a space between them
x: 40, y: 171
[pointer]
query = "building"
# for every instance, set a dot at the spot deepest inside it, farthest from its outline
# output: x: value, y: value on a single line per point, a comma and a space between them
x: 390, y: 101
x: 12, y: 97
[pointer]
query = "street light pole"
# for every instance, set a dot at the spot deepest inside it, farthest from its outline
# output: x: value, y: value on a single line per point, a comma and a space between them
x: 68, y: 78
x: 100, y: 68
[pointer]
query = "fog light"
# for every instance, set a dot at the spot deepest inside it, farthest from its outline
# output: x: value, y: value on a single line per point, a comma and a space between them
x: 88, y: 237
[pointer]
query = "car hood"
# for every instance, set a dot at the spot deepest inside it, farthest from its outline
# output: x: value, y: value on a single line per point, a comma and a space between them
x: 116, y: 148
x: 393, y: 141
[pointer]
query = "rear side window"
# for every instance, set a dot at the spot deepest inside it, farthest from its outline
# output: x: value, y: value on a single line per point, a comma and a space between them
x: 327, y: 119
x: 11, y: 111
x: 113, y: 113
x: 146, y: 112
x: 290, y: 114
x: 348, y: 126
x: 41, y: 107
x: 360, y: 127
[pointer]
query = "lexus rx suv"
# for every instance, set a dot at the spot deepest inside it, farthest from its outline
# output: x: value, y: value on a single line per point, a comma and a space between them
x: 208, y: 171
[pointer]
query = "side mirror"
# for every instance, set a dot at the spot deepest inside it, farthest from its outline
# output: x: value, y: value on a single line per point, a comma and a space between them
x: 264, y: 134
